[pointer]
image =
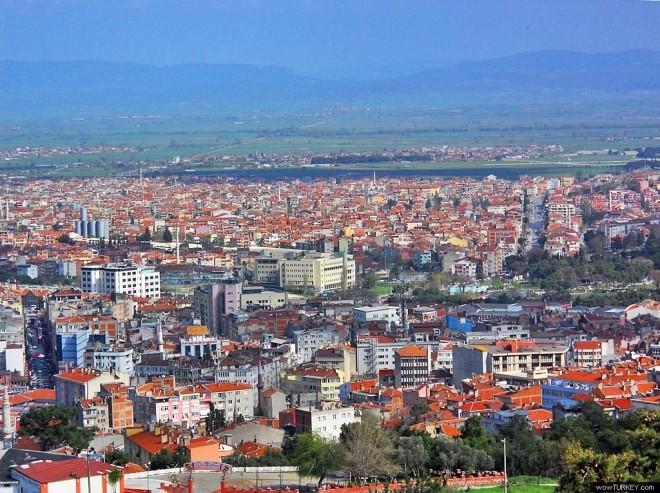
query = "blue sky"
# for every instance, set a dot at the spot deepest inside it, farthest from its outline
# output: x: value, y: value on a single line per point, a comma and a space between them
x: 319, y: 35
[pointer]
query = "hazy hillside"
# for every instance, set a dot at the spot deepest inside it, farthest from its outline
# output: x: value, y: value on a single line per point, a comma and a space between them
x: 550, y: 76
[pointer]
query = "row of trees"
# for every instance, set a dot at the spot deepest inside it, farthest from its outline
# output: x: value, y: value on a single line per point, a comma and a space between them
x: 366, y: 451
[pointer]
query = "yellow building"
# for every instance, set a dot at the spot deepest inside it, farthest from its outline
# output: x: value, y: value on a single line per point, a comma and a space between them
x: 311, y: 378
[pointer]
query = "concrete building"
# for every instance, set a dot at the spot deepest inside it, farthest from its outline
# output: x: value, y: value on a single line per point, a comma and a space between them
x: 367, y: 314
x: 160, y: 402
x: 412, y: 365
x: 233, y: 398
x: 376, y: 353
x: 309, y: 341
x: 197, y: 346
x: 92, y: 413
x: 306, y: 271
x: 12, y: 357
x: 326, y: 420
x: 120, y: 278
x: 74, y: 475
x: 111, y: 358
x: 239, y: 369
x: 505, y: 357
x: 264, y: 299
x: 273, y: 401
x: 313, y: 379
x: 588, y: 354
x: 341, y: 357
x: 83, y: 383
x: 211, y: 301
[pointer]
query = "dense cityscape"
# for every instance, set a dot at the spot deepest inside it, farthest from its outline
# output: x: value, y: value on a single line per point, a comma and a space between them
x: 222, y: 320
x: 329, y: 247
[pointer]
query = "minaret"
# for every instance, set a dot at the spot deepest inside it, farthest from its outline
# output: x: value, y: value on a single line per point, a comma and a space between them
x: 161, y: 348
x: 7, y: 429
x: 177, y: 244
x: 260, y: 389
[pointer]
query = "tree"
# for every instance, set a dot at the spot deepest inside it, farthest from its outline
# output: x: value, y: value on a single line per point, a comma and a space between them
x: 411, y: 455
x: 583, y: 468
x: 114, y: 477
x: 368, y: 451
x: 54, y: 426
x: 167, y: 235
x: 117, y: 457
x: 146, y: 236
x: 166, y: 459
x: 474, y: 435
x: 215, y: 420
x: 370, y: 280
x: 315, y: 456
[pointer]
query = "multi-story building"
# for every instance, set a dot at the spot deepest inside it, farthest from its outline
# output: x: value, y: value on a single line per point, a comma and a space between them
x: 264, y: 299
x: 412, y: 365
x: 92, y: 413
x: 340, y: 357
x: 233, y: 398
x: 120, y: 408
x: 367, y: 314
x: 326, y: 421
x: 442, y: 359
x: 197, y: 346
x: 376, y: 353
x: 505, y: 357
x: 321, y: 381
x: 211, y: 301
x: 588, y: 354
x: 307, y: 271
x: 70, y: 336
x: 310, y: 340
x: 161, y: 402
x: 120, y: 278
x: 110, y: 357
x: 244, y: 368
x: 82, y: 383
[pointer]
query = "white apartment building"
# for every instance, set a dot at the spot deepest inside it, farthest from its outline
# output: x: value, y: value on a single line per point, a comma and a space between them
x: 309, y: 341
x: 443, y: 358
x: 194, y: 346
x: 376, y: 353
x: 232, y: 398
x: 110, y: 358
x: 120, y: 278
x: 327, y: 421
x: 368, y: 314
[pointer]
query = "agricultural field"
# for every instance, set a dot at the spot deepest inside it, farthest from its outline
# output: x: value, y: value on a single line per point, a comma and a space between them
x: 156, y: 139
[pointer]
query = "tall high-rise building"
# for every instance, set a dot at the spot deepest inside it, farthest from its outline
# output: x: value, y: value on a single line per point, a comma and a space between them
x: 213, y: 300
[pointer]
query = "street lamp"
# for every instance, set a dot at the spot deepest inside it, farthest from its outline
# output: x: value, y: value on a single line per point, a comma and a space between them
x: 506, y: 478
x: 90, y: 450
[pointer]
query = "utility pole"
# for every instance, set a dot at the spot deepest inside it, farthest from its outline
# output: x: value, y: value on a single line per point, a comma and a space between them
x: 506, y: 478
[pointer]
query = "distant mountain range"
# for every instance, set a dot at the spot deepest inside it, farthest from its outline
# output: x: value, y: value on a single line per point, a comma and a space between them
x: 543, y: 77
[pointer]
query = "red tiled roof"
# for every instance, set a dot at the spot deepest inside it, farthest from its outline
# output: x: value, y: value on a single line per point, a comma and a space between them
x: 587, y: 345
x: 45, y: 472
x: 413, y: 351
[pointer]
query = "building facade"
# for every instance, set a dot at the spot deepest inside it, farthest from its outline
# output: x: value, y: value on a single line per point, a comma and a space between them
x: 123, y: 278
